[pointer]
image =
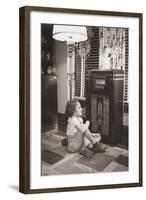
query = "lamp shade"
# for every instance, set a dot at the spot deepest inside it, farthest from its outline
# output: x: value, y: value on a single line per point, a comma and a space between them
x: 70, y: 34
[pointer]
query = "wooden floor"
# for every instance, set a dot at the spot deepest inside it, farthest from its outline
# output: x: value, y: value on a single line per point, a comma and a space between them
x: 57, y: 160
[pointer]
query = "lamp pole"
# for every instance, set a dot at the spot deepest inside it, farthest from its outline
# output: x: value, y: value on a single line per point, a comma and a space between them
x: 72, y: 35
x: 70, y: 71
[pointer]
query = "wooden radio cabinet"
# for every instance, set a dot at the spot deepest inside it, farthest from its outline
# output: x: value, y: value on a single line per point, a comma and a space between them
x: 105, y: 103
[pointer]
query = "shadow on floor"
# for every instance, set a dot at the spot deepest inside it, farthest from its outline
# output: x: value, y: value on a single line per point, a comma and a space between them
x: 14, y: 187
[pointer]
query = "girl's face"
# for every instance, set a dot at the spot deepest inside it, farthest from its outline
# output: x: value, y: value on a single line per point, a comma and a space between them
x: 78, y: 110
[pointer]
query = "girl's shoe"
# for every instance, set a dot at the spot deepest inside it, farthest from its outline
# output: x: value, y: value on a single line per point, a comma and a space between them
x: 64, y: 142
x: 86, y: 152
x: 97, y: 148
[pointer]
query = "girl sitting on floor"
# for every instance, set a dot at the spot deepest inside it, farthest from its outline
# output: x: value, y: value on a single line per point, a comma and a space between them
x: 78, y: 136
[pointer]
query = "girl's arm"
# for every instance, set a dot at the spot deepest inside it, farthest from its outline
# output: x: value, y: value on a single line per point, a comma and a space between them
x: 82, y: 127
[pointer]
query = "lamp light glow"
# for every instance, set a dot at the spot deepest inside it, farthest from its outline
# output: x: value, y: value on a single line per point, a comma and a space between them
x: 70, y: 34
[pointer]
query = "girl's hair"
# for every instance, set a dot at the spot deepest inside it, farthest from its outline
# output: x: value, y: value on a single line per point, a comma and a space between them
x: 70, y: 107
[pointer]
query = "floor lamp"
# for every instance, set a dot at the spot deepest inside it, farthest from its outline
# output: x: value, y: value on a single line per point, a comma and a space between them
x: 72, y: 36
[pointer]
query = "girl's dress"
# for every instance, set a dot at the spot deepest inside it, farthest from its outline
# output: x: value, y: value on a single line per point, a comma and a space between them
x: 76, y: 139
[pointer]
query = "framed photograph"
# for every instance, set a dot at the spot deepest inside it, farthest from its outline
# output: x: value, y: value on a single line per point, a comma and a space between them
x: 80, y: 99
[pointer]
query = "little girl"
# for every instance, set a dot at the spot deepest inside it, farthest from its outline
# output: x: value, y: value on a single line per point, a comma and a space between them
x: 78, y: 135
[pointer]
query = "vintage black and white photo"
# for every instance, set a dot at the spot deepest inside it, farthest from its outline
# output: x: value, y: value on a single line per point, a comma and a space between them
x: 86, y: 66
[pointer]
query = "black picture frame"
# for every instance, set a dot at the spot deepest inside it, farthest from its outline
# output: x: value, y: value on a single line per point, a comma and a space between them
x: 24, y: 77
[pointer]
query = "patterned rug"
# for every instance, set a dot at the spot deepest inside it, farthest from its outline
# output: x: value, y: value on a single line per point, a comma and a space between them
x: 123, y: 160
x: 57, y: 160
x: 99, y: 161
x: 50, y: 157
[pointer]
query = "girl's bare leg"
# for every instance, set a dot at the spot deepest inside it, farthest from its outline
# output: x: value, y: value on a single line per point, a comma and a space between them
x: 97, y: 147
x: 90, y: 137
